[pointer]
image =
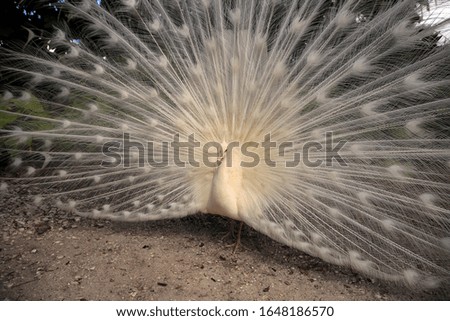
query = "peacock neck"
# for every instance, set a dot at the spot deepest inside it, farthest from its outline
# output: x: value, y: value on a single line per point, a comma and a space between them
x: 226, y: 186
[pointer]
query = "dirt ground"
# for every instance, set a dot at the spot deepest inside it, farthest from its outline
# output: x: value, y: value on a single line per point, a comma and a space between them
x: 46, y: 254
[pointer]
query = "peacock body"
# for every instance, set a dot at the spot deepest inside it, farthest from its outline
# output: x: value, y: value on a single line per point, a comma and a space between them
x: 325, y: 129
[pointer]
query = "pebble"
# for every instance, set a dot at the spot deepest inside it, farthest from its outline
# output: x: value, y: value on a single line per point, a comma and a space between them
x: 41, y: 228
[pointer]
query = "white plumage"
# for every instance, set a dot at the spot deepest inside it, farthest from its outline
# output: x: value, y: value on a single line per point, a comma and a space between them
x: 235, y: 72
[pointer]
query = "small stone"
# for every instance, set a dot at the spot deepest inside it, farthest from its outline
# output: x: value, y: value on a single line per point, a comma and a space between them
x: 33, y: 251
x: 41, y: 228
x: 19, y: 223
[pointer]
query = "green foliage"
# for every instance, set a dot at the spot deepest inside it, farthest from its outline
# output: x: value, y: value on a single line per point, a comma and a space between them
x: 30, y: 107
